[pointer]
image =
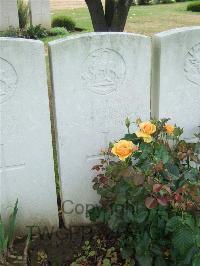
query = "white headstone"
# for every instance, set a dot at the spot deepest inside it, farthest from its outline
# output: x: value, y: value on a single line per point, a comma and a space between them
x: 26, y: 160
x: 8, y: 14
x: 176, y: 77
x: 99, y: 79
x: 40, y: 13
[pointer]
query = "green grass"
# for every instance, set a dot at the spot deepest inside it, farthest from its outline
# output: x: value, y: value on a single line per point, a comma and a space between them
x: 143, y: 19
x: 156, y: 18
x: 80, y: 16
x: 52, y: 38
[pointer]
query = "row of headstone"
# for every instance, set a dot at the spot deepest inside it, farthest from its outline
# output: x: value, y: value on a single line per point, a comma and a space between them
x: 98, y: 80
x: 39, y: 13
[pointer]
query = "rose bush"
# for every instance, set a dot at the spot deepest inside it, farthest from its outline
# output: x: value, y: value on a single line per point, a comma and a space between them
x: 149, y: 187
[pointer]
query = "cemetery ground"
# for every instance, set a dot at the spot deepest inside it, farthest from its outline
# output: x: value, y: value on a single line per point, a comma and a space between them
x: 146, y: 20
x: 57, y: 248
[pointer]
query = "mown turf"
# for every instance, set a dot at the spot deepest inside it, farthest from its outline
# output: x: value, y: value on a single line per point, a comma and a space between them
x: 143, y: 19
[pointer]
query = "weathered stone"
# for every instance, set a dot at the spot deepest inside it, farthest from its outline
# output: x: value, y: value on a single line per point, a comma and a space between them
x: 176, y: 77
x: 8, y: 14
x: 26, y: 160
x: 98, y: 80
x: 40, y: 13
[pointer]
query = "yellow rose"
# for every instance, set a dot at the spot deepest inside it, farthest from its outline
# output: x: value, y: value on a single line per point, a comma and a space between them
x: 170, y: 129
x: 123, y: 149
x: 146, y: 137
x: 147, y: 127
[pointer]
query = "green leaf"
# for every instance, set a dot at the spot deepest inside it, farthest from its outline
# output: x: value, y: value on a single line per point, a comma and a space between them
x: 3, y: 239
x: 190, y: 255
x: 183, y: 239
x: 160, y: 261
x: 144, y: 260
x: 198, y: 237
x: 173, y: 169
x: 190, y: 222
x: 161, y: 153
x: 196, y: 260
x: 173, y: 223
x: 92, y: 253
x: 132, y: 137
x: 74, y: 264
x: 141, y: 216
x: 12, y: 223
x: 146, y: 149
x: 106, y: 262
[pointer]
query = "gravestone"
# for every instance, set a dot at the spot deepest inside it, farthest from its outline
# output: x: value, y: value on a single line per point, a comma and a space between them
x: 99, y: 79
x: 26, y: 160
x: 40, y: 13
x: 8, y: 14
x: 176, y: 77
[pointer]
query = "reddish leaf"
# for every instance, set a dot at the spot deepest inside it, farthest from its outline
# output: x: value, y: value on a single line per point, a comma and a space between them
x: 159, y: 167
x: 96, y: 167
x: 157, y: 188
x: 180, y: 190
x: 190, y: 205
x: 103, y: 180
x: 197, y: 199
x: 163, y: 200
x: 138, y: 179
x: 178, y: 197
x: 150, y: 202
x: 150, y: 180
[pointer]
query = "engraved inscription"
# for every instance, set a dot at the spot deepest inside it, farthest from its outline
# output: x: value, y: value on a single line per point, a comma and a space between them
x: 104, y: 71
x: 115, y: 110
x: 192, y: 64
x: 8, y: 80
x: 4, y: 167
x: 95, y: 157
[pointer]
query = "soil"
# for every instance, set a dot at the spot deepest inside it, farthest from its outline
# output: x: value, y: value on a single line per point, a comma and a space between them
x: 62, y: 4
x: 67, y: 4
x: 56, y: 248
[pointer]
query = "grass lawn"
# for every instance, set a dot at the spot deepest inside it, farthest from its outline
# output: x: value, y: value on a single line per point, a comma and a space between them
x: 143, y: 19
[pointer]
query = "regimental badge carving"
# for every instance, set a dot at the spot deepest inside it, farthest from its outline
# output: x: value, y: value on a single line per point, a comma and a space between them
x: 192, y: 64
x: 8, y: 80
x: 104, y: 71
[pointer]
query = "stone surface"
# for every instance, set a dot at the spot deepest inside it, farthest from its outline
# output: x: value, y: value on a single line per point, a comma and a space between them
x: 26, y: 160
x: 176, y: 77
x: 99, y: 80
x: 40, y: 13
x: 8, y: 14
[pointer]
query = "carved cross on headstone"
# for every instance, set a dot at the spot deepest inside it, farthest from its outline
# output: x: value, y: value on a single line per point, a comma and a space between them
x: 98, y: 156
x: 4, y: 167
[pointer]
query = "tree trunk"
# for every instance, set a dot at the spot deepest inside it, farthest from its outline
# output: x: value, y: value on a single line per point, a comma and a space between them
x: 97, y: 15
x: 114, y: 19
x: 120, y: 15
x: 109, y: 12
